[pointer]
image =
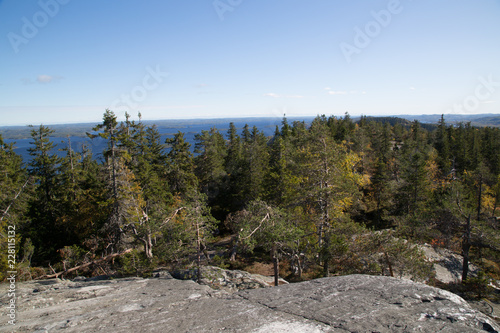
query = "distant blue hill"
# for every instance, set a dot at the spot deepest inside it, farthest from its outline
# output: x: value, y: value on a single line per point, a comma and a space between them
x: 21, y: 137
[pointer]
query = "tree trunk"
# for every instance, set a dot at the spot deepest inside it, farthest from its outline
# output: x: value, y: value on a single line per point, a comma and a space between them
x: 198, y: 251
x: 299, y: 266
x: 276, y: 266
x: 148, y: 246
x: 479, y: 197
x: 326, y: 269
x: 466, y: 244
x: 113, y: 164
x: 236, y: 240
x: 389, y: 264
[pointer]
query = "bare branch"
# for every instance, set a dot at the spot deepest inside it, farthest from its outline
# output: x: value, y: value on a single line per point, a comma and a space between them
x: 258, y: 227
x: 168, y: 219
x: 13, y: 200
x: 95, y: 262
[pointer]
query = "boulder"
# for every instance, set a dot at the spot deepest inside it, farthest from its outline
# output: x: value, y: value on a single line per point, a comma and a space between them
x: 228, y: 280
x: 447, y: 264
x: 355, y: 303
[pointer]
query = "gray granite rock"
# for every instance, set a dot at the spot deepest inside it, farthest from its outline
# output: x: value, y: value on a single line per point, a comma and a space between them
x: 229, y: 280
x: 361, y: 303
x: 355, y: 303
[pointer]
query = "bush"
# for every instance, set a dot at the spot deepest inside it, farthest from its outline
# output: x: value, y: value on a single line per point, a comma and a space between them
x: 134, y: 263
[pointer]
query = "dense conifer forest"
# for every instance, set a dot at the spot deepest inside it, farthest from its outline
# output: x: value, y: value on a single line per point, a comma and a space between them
x: 328, y: 198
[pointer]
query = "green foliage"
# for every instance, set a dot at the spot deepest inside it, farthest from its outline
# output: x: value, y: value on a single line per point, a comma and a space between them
x: 134, y: 263
x: 180, y: 173
x: 220, y: 262
x: 210, y: 171
x: 303, y: 195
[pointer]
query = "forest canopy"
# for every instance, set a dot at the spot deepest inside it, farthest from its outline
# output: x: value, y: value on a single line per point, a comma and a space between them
x: 331, y: 197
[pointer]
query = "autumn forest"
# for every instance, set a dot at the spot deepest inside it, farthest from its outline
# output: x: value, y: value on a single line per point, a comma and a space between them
x: 332, y: 197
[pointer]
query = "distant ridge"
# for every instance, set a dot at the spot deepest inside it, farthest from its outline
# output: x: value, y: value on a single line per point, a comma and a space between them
x: 173, y: 125
x: 395, y: 120
x: 80, y: 130
x: 492, y: 120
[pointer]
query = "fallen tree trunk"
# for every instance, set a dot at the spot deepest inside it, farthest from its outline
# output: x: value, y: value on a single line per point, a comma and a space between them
x: 94, y: 262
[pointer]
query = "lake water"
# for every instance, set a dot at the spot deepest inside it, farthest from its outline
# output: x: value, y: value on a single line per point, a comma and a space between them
x: 166, y: 129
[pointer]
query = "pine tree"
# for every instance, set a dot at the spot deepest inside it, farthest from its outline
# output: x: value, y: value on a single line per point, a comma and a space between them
x: 150, y: 172
x: 330, y: 184
x: 44, y: 208
x: 261, y: 225
x: 125, y: 203
x: 110, y: 133
x: 15, y: 188
x: 414, y: 181
x: 255, y: 165
x: 180, y: 173
x: 70, y: 194
x: 233, y: 166
x: 442, y: 146
x: 201, y: 226
x: 280, y: 179
x: 14, y: 184
x: 212, y: 151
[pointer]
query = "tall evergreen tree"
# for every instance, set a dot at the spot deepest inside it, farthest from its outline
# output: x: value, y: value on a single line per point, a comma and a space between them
x: 233, y: 166
x: 329, y: 182
x: 280, y: 179
x: 180, y: 173
x: 45, y: 207
x: 212, y: 151
x: 255, y: 165
x: 15, y: 188
x: 125, y: 202
x: 442, y: 146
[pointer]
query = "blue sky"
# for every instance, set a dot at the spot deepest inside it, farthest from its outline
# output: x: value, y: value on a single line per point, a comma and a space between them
x: 65, y: 61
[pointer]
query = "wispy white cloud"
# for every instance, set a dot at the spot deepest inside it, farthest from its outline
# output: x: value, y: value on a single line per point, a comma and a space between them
x: 42, y: 79
x: 333, y: 92
x: 273, y: 95
x: 343, y: 92
x: 48, y: 78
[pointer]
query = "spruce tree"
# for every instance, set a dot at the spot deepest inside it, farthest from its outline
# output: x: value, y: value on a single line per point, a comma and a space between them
x: 233, y: 166
x: 44, y: 208
x: 180, y: 167
x: 442, y: 146
x: 15, y: 188
x: 212, y: 151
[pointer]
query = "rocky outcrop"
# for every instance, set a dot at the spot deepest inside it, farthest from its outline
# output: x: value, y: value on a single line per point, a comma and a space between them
x: 355, y: 303
x: 447, y: 264
x: 229, y: 280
